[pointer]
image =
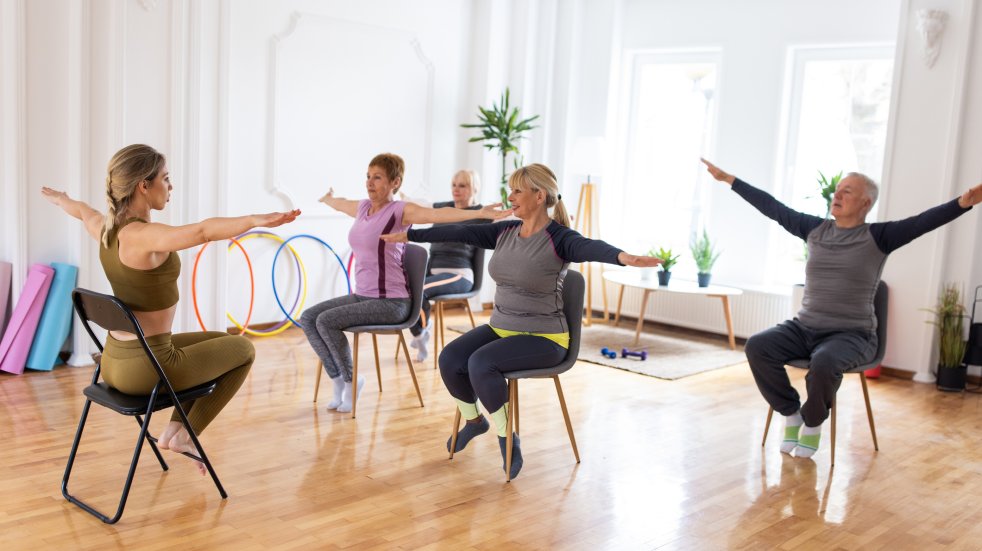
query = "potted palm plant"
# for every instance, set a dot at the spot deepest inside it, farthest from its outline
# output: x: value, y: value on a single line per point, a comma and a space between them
x: 501, y: 129
x: 667, y: 261
x: 705, y: 255
x: 949, y: 318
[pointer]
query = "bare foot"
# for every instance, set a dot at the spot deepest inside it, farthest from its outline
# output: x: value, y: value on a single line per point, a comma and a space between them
x: 163, y: 442
x: 181, y: 443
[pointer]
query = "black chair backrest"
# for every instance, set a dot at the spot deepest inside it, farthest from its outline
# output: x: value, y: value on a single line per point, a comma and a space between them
x: 414, y: 263
x: 106, y: 311
x: 573, y: 290
x: 477, y: 266
x: 881, y: 309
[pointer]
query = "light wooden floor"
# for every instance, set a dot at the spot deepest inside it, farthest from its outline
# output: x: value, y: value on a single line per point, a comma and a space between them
x: 673, y: 465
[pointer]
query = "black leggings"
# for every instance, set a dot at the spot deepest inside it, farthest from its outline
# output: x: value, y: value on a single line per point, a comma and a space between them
x: 473, y: 365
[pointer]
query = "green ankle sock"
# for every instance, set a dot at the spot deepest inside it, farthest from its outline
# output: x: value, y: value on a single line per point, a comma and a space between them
x: 809, y: 441
x: 500, y: 419
x: 467, y: 410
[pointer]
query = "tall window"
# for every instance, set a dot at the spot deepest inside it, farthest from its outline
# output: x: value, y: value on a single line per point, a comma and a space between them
x: 838, y: 103
x: 671, y: 123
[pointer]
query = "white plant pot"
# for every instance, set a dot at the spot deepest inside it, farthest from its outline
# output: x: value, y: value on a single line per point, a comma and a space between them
x: 649, y: 274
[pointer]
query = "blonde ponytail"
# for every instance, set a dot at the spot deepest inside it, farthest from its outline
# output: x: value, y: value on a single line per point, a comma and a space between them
x: 127, y: 168
x: 539, y: 177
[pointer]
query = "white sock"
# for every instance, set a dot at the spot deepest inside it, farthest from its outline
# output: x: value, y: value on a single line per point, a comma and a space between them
x: 422, y: 353
x: 346, y: 396
x: 338, y: 389
x: 808, y: 441
x: 792, y: 425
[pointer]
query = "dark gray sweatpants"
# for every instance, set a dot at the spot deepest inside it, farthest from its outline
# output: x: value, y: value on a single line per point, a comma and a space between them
x: 831, y: 353
x: 324, y: 326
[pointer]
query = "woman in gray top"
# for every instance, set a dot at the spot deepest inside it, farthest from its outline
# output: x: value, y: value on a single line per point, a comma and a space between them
x: 527, y: 328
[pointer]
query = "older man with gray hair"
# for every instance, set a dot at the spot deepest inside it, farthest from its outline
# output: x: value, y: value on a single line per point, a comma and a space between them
x: 836, y: 326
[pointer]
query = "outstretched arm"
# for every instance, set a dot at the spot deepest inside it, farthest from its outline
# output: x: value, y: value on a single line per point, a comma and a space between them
x: 797, y: 223
x: 479, y: 235
x: 417, y: 214
x: 571, y: 246
x: 346, y: 206
x: 890, y: 236
x: 92, y: 218
x: 163, y: 238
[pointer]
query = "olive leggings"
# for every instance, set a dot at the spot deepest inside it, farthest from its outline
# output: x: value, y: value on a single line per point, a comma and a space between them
x: 188, y: 360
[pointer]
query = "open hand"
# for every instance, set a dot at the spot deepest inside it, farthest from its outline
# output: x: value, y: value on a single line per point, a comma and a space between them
x: 491, y: 212
x: 328, y: 195
x: 53, y: 195
x: 971, y: 197
x: 401, y: 237
x: 718, y: 174
x: 274, y: 219
x: 638, y: 261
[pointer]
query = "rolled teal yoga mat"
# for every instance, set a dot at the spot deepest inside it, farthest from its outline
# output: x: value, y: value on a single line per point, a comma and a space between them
x: 56, y: 319
x: 17, y: 338
x: 5, y: 270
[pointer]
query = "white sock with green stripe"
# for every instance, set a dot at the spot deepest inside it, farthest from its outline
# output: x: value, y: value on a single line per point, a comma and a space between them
x: 792, y: 424
x: 808, y: 441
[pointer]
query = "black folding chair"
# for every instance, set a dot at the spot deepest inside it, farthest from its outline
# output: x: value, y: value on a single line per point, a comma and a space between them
x: 111, y: 314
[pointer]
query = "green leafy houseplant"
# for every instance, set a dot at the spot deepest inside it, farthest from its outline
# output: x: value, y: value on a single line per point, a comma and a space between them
x: 501, y: 129
x: 949, y: 318
x: 704, y: 253
x: 668, y: 260
x: 826, y: 187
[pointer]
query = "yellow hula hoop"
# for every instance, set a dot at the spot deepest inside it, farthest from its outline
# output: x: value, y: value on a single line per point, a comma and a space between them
x: 303, y: 296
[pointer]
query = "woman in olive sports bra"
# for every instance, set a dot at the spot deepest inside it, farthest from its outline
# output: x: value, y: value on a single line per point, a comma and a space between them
x: 140, y: 261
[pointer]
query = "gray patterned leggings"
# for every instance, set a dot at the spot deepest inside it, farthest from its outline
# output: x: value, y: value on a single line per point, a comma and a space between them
x: 324, y: 326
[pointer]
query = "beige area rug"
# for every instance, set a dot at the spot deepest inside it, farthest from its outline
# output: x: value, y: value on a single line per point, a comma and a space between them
x: 671, y: 354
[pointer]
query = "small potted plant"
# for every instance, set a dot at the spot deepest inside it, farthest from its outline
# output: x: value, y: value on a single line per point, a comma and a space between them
x: 705, y: 255
x: 667, y: 261
x: 949, y: 318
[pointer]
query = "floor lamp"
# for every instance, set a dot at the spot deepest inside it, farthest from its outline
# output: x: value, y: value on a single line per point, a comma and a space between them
x: 588, y: 159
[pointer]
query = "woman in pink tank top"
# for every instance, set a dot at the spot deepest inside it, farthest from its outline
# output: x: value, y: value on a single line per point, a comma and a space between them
x: 381, y: 294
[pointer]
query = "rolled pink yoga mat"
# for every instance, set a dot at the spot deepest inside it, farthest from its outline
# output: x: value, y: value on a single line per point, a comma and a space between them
x: 17, y: 338
x: 5, y: 271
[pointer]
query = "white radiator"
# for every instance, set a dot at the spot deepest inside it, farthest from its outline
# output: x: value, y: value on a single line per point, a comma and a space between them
x: 752, y: 311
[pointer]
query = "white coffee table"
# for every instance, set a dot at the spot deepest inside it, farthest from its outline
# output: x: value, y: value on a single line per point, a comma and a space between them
x: 626, y: 278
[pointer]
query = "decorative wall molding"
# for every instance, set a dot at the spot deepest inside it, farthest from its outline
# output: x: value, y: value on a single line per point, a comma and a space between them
x: 417, y: 83
x: 931, y: 26
x: 148, y: 5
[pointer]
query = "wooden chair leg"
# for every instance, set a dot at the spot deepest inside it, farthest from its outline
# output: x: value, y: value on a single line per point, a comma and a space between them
x: 514, y: 404
x: 453, y: 435
x: 869, y: 411
x: 467, y: 306
x: 767, y: 426
x: 443, y: 326
x: 412, y: 371
x: 378, y: 368
x: 832, y: 464
x: 354, y: 381
x: 317, y: 384
x: 512, y: 384
x: 569, y: 425
x: 437, y: 313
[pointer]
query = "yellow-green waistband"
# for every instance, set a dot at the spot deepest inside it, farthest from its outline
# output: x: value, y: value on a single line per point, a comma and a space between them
x: 562, y: 339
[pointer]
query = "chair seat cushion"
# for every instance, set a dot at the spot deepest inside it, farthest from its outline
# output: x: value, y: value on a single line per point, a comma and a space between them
x: 455, y: 296
x: 377, y: 328
x: 129, y: 404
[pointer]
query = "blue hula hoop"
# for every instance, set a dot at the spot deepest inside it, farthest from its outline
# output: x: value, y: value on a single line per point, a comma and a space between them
x: 276, y: 295
x: 296, y: 263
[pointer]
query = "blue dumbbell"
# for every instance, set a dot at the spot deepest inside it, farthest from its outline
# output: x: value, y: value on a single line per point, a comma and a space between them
x: 609, y: 353
x: 642, y: 354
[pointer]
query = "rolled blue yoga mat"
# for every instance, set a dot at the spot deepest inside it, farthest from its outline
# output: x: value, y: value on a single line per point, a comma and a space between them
x: 56, y: 319
x: 5, y: 270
